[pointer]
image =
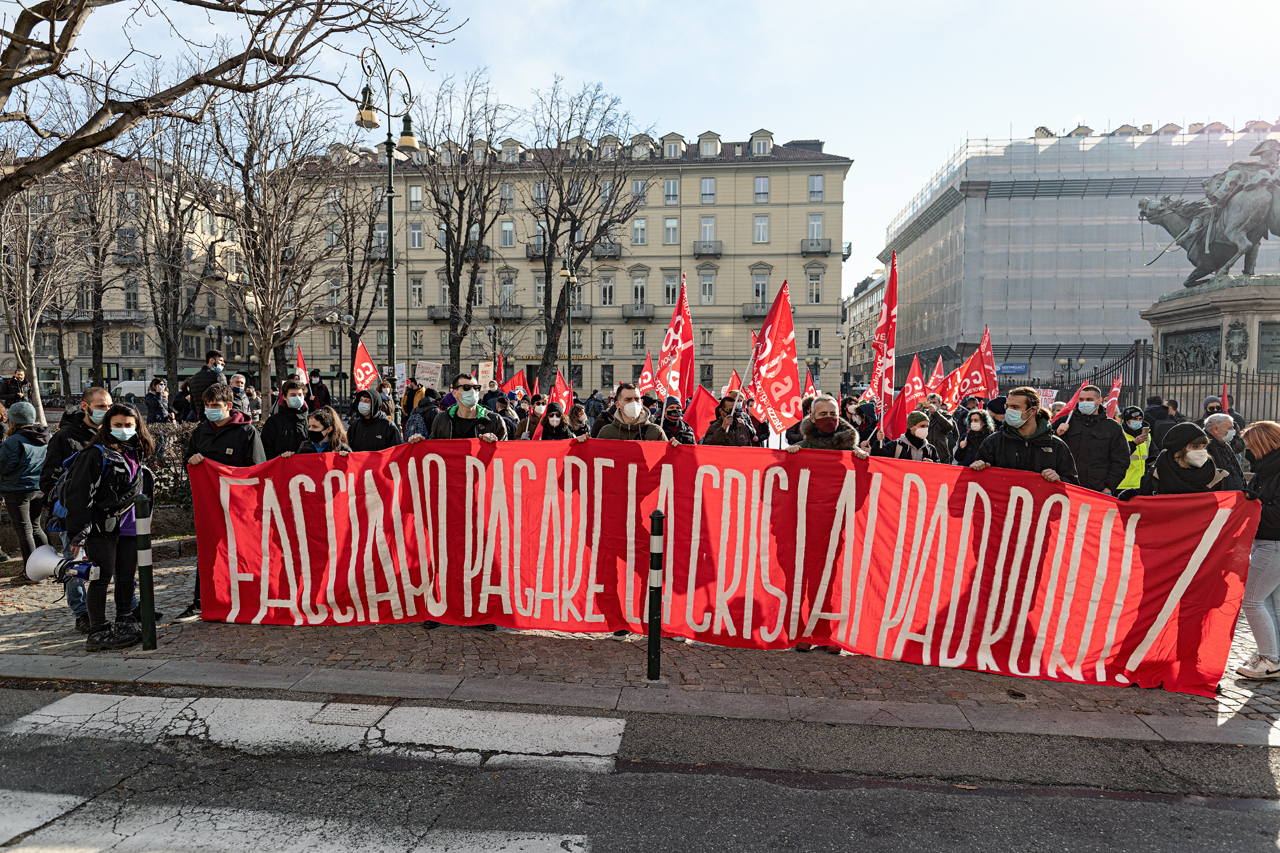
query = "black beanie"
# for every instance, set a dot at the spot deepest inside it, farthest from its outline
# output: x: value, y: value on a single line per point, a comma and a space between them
x: 996, y: 405
x: 1180, y: 435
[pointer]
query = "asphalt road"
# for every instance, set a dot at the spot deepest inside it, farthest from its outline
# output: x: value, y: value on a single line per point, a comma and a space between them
x: 678, y: 783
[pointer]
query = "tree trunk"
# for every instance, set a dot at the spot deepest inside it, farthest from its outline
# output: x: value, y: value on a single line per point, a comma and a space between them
x: 63, y: 367
x: 27, y: 360
x: 281, y: 364
x: 98, y: 332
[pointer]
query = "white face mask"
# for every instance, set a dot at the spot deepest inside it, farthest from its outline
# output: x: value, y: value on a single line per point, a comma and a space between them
x: 539, y: 409
x: 554, y: 420
x: 1196, y: 458
x: 921, y: 432
x: 632, y: 410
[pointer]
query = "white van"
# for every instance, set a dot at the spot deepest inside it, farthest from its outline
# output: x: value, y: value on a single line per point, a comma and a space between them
x: 130, y: 391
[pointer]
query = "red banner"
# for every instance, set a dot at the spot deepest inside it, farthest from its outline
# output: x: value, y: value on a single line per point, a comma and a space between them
x: 884, y: 343
x: 775, y: 370
x: 646, y: 383
x: 675, y: 359
x: 990, y: 378
x: 894, y: 423
x: 995, y: 570
x: 517, y: 383
x: 935, y: 380
x: 363, y: 373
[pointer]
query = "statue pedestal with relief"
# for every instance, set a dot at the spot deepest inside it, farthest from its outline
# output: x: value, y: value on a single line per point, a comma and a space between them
x: 1232, y: 323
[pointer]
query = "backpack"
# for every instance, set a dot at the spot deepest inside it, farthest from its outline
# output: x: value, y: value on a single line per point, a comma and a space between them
x: 417, y: 424
x: 58, y: 513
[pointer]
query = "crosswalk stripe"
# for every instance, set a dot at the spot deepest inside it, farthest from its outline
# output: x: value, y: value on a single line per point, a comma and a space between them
x: 23, y: 811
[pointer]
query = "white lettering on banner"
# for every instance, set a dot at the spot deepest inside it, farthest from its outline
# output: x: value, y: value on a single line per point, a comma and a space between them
x: 945, y: 658
x: 339, y: 614
x: 597, y: 515
x: 802, y: 505
x: 937, y: 534
x: 1030, y: 587
x: 696, y: 524
x: 574, y: 466
x: 551, y: 526
x: 771, y: 476
x: 499, y: 530
x: 1117, y: 604
x: 1018, y: 496
x: 868, y: 539
x: 433, y: 556
x: 314, y: 611
x: 521, y: 593
x: 271, y: 510
x: 376, y: 541
x: 666, y: 503
x: 470, y: 565
x: 889, y: 618
x: 233, y: 561
x: 353, y: 587
x: 841, y: 531
x: 725, y: 591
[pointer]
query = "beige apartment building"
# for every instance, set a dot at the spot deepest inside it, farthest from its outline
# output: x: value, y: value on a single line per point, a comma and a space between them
x: 736, y: 218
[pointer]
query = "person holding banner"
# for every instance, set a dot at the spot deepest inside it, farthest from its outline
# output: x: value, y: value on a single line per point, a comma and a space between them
x: 912, y: 444
x: 1132, y: 421
x: 731, y: 428
x: 1097, y: 443
x: 1184, y: 466
x: 1026, y: 442
x: 372, y: 429
x: 1221, y: 429
x: 529, y: 423
x: 673, y: 424
x: 579, y: 423
x: 553, y: 424
x: 325, y: 434
x: 467, y: 418
x: 1262, y: 586
x: 631, y: 423
x: 824, y: 429
x: 287, y: 428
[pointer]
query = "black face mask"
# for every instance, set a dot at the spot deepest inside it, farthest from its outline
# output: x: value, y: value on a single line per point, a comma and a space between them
x: 315, y: 436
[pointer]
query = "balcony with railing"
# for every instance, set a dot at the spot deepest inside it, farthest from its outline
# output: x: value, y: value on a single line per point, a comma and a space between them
x: 438, y: 313
x: 639, y: 349
x: 535, y: 250
x: 606, y: 250
x: 606, y: 350
x: 706, y: 349
x: 707, y: 248
x: 378, y: 251
x: 580, y: 312
x: 506, y: 312
x: 820, y: 246
x: 845, y: 251
x: 752, y: 310
x: 471, y: 250
x: 638, y: 311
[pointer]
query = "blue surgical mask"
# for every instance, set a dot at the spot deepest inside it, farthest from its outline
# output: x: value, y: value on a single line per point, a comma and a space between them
x: 1086, y: 407
x: 1135, y: 425
x: 214, y: 415
x: 365, y: 407
x: 1229, y: 436
x: 296, y: 401
x: 97, y: 415
x: 218, y: 367
x: 469, y: 398
x: 1013, y: 418
x: 123, y: 433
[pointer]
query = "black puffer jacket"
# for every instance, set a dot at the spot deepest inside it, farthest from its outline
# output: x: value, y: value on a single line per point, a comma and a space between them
x: 284, y: 430
x: 679, y: 430
x: 236, y: 443
x: 968, y: 454
x: 73, y: 435
x: 1008, y: 448
x: 375, y: 432
x: 199, y: 383
x: 1266, y: 484
x: 1100, y: 450
x: 1223, y: 458
x: 99, y: 491
x: 942, y: 431
x: 739, y: 434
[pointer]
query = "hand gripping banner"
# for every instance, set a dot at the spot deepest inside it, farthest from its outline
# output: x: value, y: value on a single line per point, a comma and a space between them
x: 995, y: 570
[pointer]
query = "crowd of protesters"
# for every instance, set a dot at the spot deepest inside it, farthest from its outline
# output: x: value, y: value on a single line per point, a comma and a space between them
x: 1138, y: 452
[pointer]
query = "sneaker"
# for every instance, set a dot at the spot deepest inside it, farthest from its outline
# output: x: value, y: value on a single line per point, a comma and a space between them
x: 113, y: 636
x: 1259, y: 667
x: 191, y: 614
x: 82, y: 623
x: 136, y: 617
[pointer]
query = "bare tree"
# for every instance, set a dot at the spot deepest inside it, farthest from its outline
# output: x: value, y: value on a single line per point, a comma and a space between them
x: 579, y: 192
x: 263, y: 44
x: 34, y: 271
x: 272, y: 154
x: 462, y: 174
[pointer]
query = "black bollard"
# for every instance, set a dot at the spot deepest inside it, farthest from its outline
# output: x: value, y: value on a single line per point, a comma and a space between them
x: 655, y: 594
x: 146, y: 581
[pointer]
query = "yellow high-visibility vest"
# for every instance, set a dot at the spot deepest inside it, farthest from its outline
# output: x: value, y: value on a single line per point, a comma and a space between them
x: 1137, y: 466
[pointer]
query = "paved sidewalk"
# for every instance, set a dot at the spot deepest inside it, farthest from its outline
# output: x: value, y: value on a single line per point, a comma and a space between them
x: 589, y: 669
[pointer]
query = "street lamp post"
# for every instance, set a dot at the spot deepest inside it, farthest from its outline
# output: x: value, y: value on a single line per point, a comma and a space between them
x: 345, y: 323
x: 1068, y: 368
x: 569, y: 274
x: 367, y: 118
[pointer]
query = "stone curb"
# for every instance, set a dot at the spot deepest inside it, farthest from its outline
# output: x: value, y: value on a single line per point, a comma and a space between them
x: 142, y: 669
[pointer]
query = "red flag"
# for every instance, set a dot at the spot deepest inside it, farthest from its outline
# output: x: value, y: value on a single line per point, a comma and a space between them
x: 498, y: 371
x: 675, y: 359
x: 991, y: 380
x: 1224, y: 397
x: 534, y: 387
x: 518, y: 384
x: 735, y: 381
x: 935, y: 381
x: 701, y: 411
x: 809, y: 390
x: 884, y: 343
x: 776, y: 371
x: 363, y: 372
x: 561, y: 394
x: 895, y: 420
x: 1071, y: 404
x: 1113, y: 397
x: 646, y: 383
x: 949, y: 389
x: 973, y: 378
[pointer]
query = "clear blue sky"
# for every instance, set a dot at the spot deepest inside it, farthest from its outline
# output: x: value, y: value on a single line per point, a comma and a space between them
x: 895, y: 86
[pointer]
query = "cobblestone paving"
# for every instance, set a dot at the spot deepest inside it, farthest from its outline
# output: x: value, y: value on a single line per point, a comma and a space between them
x: 34, y: 621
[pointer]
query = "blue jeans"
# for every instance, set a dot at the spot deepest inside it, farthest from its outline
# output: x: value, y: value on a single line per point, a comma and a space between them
x: 1262, y: 597
x: 77, y: 599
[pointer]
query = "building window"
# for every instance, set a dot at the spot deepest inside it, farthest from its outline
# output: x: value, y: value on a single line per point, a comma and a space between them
x: 760, y: 288
x: 415, y: 197
x: 335, y: 342
x: 760, y: 148
x: 639, y: 232
x: 381, y: 342
x: 673, y: 150
x: 84, y: 344
x: 540, y: 194
x: 539, y: 291
x: 815, y: 188
x: 131, y: 296
x: 637, y: 341
x: 606, y: 341
x: 707, y: 375
x: 705, y: 341
x: 126, y: 241
x: 507, y: 291
x: 540, y: 237
x: 815, y: 226
x: 415, y: 235
x: 380, y: 235
x: 815, y: 340
x: 707, y: 228
x: 670, y: 230
x: 671, y: 195
x: 575, y: 341
x: 380, y: 295
x: 670, y: 289
x: 333, y: 236
x: 417, y: 291
x: 334, y: 291
x: 506, y: 198
x: 815, y: 288
x: 417, y: 338
x: 606, y: 291
x: 131, y: 343
x: 707, y: 287
x: 708, y: 190
x: 762, y: 190
x: 477, y: 298
x: 761, y: 234
x: 606, y: 376
x: 708, y: 148
x: 639, y: 287
x: 444, y: 343
x: 540, y: 340
x: 640, y: 191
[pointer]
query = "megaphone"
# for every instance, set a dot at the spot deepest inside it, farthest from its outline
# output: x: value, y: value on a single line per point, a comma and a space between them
x: 47, y: 562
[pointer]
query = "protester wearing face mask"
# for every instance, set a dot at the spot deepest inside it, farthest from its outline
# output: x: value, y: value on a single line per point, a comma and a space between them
x: 824, y: 429
x: 678, y: 432
x: 372, y: 428
x: 911, y: 445
x: 631, y: 422
x: 554, y: 425
x: 942, y: 430
x: 157, y: 399
x: 1133, y: 422
x: 491, y: 394
x: 867, y: 421
x: 1026, y: 442
x: 579, y: 423
x: 1183, y: 466
x: 1213, y: 406
x: 325, y: 434
x: 286, y: 429
x: 731, y: 427
x: 1221, y: 429
x: 1261, y: 603
x: 528, y: 425
x: 1097, y: 443
x: 99, y: 495
x: 21, y: 461
x: 206, y: 377
x: 503, y: 407
x: 385, y: 399
x: 467, y: 418
x: 979, y: 428
x: 319, y: 396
